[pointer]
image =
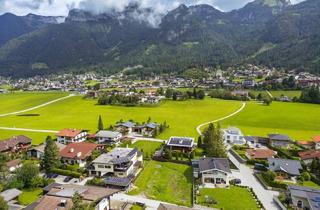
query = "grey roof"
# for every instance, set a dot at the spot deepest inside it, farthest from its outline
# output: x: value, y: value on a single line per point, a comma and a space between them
x: 108, y: 134
x: 291, y: 167
x: 10, y: 194
x: 128, y: 124
x: 279, y: 137
x: 119, y: 181
x: 116, y: 156
x: 233, y: 130
x: 181, y: 141
x: 221, y: 164
x: 249, y: 138
x: 41, y: 147
x: 309, y: 193
x: 151, y: 125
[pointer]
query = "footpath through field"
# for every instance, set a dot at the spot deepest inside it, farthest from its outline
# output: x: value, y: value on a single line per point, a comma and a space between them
x: 220, y: 119
x: 37, y: 107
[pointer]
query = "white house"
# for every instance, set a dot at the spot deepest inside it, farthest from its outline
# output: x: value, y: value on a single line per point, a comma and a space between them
x: 67, y: 136
x: 120, y: 162
x: 110, y: 137
x: 233, y: 135
x: 213, y: 172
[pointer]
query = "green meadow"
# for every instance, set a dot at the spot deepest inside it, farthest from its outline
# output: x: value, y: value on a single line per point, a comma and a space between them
x: 22, y: 100
x: 182, y: 117
x: 298, y: 120
x: 290, y: 94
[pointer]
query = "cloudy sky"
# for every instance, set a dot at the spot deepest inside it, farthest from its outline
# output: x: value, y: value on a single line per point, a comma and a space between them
x: 61, y: 7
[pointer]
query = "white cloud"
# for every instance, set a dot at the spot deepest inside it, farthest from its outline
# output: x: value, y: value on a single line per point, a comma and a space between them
x: 61, y: 7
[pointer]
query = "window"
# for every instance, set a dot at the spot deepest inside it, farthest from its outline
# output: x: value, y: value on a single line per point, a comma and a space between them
x: 299, y: 204
x: 100, y: 166
x: 107, y: 166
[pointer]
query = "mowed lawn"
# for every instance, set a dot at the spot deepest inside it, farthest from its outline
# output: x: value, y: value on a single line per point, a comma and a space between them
x: 299, y: 121
x: 29, y: 196
x: 290, y: 94
x: 17, y: 101
x: 228, y: 199
x: 76, y: 112
x: 168, y: 182
x: 147, y: 147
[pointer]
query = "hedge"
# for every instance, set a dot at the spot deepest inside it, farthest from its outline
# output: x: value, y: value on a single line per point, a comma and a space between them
x: 272, y: 183
x: 66, y: 172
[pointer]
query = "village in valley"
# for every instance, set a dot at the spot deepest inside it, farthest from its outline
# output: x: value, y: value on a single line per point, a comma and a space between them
x: 127, y: 152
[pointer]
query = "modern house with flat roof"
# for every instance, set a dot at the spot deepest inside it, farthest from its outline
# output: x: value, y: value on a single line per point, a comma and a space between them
x: 233, y: 135
x: 183, y: 144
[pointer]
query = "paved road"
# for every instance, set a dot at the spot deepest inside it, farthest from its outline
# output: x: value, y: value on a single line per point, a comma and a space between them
x: 37, y: 107
x: 223, y: 118
x: 269, y: 93
x: 247, y: 177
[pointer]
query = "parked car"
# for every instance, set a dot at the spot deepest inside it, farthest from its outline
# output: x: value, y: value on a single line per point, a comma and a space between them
x: 235, y: 181
x: 260, y: 167
x: 67, y: 179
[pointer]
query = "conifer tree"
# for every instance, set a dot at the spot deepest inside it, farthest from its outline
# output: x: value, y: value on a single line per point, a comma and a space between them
x: 100, y: 123
x: 51, y: 157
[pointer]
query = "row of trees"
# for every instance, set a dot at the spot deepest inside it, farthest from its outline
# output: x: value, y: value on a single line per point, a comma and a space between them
x: 226, y: 95
x: 118, y: 99
x: 310, y: 95
x: 181, y: 95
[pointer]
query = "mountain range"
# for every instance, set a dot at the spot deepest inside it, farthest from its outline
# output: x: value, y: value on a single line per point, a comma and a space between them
x: 268, y: 32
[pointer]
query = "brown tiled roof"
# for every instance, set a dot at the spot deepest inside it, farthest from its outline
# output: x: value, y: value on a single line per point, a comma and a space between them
x: 10, y: 143
x: 260, y: 153
x: 310, y: 154
x: 316, y: 138
x: 78, y: 150
x: 69, y: 132
x: 13, y: 163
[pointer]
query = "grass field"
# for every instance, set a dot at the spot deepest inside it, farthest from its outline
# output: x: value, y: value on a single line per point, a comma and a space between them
x: 22, y: 100
x: 182, y: 117
x: 29, y: 196
x: 290, y: 94
x: 167, y: 182
x: 299, y: 121
x: 147, y: 147
x: 228, y: 199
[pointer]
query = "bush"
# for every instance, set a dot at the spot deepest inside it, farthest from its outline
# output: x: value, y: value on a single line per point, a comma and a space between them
x: 96, y: 181
x: 305, y: 176
x: 66, y: 173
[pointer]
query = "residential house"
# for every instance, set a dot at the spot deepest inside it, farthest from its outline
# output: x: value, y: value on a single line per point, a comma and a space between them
x: 67, y: 136
x: 308, y: 156
x: 183, y: 144
x: 304, y: 197
x: 149, y: 129
x: 13, y: 165
x: 125, y: 127
x: 212, y: 171
x: 78, y: 153
x: 38, y: 151
x: 242, y: 93
x: 256, y: 140
x: 233, y: 135
x: 279, y: 140
x: 285, y: 168
x: 15, y: 144
x: 120, y: 162
x: 109, y: 137
x: 260, y: 154
x: 313, y: 145
x: 59, y: 197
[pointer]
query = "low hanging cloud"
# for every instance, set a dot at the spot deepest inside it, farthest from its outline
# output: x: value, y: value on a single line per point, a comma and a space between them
x: 61, y: 7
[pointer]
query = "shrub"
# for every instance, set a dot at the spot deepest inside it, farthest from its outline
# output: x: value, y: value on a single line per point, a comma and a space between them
x: 66, y: 172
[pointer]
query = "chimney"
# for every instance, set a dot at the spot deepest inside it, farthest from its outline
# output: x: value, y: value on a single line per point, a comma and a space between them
x: 79, y: 154
x: 71, y: 150
x: 63, y: 203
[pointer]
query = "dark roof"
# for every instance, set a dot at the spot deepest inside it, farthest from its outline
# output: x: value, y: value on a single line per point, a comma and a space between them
x: 221, y: 164
x: 309, y: 193
x: 279, y: 137
x: 181, y: 141
x: 119, y: 181
x: 10, y: 143
x: 128, y: 124
x: 291, y: 167
x: 151, y: 125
